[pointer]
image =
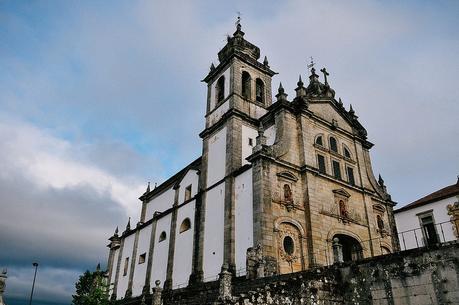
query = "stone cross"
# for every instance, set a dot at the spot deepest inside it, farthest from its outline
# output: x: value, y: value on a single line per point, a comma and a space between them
x: 324, y: 71
x: 3, y: 277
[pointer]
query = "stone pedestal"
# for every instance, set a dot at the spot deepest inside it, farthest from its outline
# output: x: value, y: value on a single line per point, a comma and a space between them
x: 337, y: 251
x: 225, y: 276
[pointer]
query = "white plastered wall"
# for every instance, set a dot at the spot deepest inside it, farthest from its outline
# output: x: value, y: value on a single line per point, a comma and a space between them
x: 226, y: 73
x: 244, y: 219
x: 141, y: 269
x: 160, y: 203
x: 113, y: 275
x: 191, y: 178
x: 216, y: 157
x: 409, y: 220
x: 161, y: 251
x: 213, y: 232
x: 183, y: 246
x: 123, y: 279
x: 248, y: 133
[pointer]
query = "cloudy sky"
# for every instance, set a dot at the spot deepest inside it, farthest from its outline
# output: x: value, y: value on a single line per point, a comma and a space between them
x: 99, y: 97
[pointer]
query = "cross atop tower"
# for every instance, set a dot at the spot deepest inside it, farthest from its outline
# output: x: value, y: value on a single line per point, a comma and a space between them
x: 311, y: 63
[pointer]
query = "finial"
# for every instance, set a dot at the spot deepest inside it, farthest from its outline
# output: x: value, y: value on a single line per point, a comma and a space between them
x: 116, y: 231
x: 457, y: 180
x: 155, y: 184
x: 128, y: 226
x: 300, y: 82
x: 265, y: 62
x: 148, y: 187
x: 380, y: 180
x: 157, y: 283
x: 324, y: 71
x: 281, y: 89
x: 212, y: 67
x: 281, y: 93
x: 351, y: 110
x: 98, y: 267
x: 340, y: 102
x: 4, y: 271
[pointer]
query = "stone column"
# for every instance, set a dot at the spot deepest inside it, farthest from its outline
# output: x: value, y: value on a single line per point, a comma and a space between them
x: 118, y: 267
x: 337, y: 251
x: 157, y: 291
x: 3, y: 277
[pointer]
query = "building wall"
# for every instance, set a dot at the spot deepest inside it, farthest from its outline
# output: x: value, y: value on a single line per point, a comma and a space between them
x: 183, y: 246
x: 113, y: 275
x: 141, y: 268
x: 248, y: 133
x: 408, y: 222
x: 124, y: 277
x: 213, y: 232
x: 244, y: 219
x: 216, y: 157
x: 160, y: 253
x: 217, y: 113
x: 270, y: 134
x: 191, y: 178
x: 160, y: 203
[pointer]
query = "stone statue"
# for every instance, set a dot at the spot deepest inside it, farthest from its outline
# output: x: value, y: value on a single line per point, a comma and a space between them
x: 3, y: 277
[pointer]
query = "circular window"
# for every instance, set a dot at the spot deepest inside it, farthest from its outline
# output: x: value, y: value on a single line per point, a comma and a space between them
x: 289, y: 245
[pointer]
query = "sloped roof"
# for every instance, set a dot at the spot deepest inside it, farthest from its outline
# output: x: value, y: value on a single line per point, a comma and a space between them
x: 196, y: 165
x: 443, y: 193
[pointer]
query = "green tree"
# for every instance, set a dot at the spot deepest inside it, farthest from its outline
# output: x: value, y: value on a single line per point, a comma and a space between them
x: 91, y: 289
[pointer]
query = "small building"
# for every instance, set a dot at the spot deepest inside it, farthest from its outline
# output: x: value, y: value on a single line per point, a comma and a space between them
x: 431, y: 220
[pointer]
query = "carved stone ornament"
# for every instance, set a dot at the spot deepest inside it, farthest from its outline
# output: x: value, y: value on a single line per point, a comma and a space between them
x: 453, y: 211
x: 286, y: 234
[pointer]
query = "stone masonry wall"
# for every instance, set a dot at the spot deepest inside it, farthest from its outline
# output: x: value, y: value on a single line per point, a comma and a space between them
x: 414, y: 277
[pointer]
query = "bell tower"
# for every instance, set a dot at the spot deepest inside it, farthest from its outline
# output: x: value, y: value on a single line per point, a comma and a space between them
x: 238, y: 94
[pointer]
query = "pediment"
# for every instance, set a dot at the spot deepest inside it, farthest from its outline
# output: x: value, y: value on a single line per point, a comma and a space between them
x: 342, y: 192
x: 288, y: 175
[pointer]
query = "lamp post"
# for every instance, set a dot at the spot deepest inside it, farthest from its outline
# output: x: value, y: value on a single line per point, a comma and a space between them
x: 35, y: 264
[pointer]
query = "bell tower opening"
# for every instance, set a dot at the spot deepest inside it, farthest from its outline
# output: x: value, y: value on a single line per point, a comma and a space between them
x: 352, y: 250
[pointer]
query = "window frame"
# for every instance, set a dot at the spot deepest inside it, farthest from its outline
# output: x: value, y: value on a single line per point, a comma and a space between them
x: 348, y: 167
x: 142, y: 258
x: 330, y: 144
x: 324, y: 163
x: 188, y: 191
x: 339, y: 169
x: 246, y: 85
x: 181, y: 229
x: 162, y: 237
x: 220, y: 89
x: 262, y: 90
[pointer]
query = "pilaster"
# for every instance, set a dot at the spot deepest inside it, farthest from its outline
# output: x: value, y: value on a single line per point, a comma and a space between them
x: 133, y: 261
x: 118, y: 267
x: 146, y: 287
x: 171, y: 252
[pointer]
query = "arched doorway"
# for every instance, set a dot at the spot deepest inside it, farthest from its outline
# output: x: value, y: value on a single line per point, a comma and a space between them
x: 352, y: 250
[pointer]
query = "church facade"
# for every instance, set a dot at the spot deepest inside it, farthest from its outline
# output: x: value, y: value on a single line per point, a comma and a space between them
x: 278, y: 182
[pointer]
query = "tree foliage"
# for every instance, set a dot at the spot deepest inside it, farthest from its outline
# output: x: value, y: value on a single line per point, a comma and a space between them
x: 91, y: 289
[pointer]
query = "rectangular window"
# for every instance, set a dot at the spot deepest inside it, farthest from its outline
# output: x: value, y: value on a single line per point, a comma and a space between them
x: 350, y: 175
x: 336, y: 169
x: 250, y: 142
x: 188, y: 192
x: 428, y: 229
x: 142, y: 258
x: 126, y: 266
x: 321, y: 163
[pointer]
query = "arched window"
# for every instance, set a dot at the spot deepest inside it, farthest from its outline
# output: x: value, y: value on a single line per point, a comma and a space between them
x: 162, y: 236
x: 260, y: 91
x: 319, y: 141
x: 245, y: 85
x: 347, y: 153
x: 220, y: 89
x: 185, y: 226
x: 333, y: 145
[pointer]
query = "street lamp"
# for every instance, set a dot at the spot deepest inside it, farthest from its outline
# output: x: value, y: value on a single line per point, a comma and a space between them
x: 35, y: 264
